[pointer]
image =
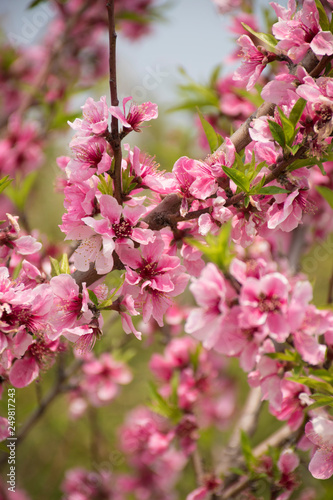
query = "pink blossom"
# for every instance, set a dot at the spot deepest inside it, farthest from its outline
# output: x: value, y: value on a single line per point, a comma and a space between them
x: 302, y: 32
x: 265, y: 301
x: 286, y: 213
x: 69, y: 303
x: 95, y: 117
x: 153, y: 277
x: 210, y: 292
x: 320, y: 432
x: 136, y: 115
x: 23, y: 372
x: 4, y: 431
x: 145, y: 171
x: 292, y: 408
x: 254, y: 62
x: 102, y: 377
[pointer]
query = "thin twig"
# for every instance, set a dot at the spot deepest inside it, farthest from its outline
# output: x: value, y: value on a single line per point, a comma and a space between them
x: 275, y: 440
x: 114, y: 139
x: 55, y: 391
x: 247, y: 422
x: 197, y: 465
x: 330, y: 290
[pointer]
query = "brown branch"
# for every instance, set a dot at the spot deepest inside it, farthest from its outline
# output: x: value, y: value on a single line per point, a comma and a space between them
x: 330, y: 290
x: 278, y: 439
x: 197, y: 465
x: 167, y: 212
x: 56, y: 390
x: 114, y: 139
x: 247, y: 422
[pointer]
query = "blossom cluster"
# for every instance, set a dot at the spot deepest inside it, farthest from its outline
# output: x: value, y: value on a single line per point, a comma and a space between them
x: 240, y: 207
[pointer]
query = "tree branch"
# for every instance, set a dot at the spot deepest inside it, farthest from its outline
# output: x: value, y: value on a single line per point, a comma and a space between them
x: 55, y: 391
x: 114, y: 139
x: 246, y: 422
x: 167, y: 212
x: 278, y: 439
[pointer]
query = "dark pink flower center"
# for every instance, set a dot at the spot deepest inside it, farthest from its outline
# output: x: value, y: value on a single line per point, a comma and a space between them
x: 123, y: 229
x: 269, y: 304
x: 148, y: 270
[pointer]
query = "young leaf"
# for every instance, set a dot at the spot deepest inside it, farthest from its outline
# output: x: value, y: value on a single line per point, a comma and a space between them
x: 64, y: 264
x: 19, y: 193
x: 270, y: 190
x: 277, y: 133
x: 238, y: 177
x: 296, y: 112
x: 214, y: 140
x: 326, y: 193
x: 288, y: 128
x: 4, y: 182
x: 247, y: 449
x: 323, y: 19
x: 93, y: 298
x: 55, y: 269
x: 266, y: 38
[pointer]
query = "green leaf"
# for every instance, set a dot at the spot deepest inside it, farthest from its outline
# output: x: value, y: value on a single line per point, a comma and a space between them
x: 215, y: 75
x: 255, y: 99
x: 194, y: 357
x: 19, y: 191
x: 92, y: 297
x: 214, y: 140
x: 34, y: 3
x: 4, y: 182
x: 296, y: 112
x: 310, y: 162
x: 237, y: 470
x: 163, y: 407
x: 291, y: 356
x: 55, y: 269
x: 326, y: 193
x: 270, y: 190
x: 238, y: 177
x: 218, y: 248
x: 318, y: 385
x: 105, y: 185
x: 288, y: 128
x: 247, y: 449
x: 277, y: 133
x: 64, y: 264
x: 323, y: 19
x: 266, y: 38
x: 320, y: 401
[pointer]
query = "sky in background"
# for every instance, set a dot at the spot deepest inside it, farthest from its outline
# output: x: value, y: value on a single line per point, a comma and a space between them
x: 194, y: 36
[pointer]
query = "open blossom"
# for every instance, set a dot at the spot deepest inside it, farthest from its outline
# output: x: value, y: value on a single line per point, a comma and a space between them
x: 265, y: 301
x: 145, y: 171
x: 320, y: 432
x: 254, y: 62
x: 68, y: 302
x: 210, y: 292
x: 95, y: 117
x: 297, y: 33
x: 91, y: 157
x: 117, y: 225
x: 101, y: 378
x: 136, y: 115
x: 153, y: 278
